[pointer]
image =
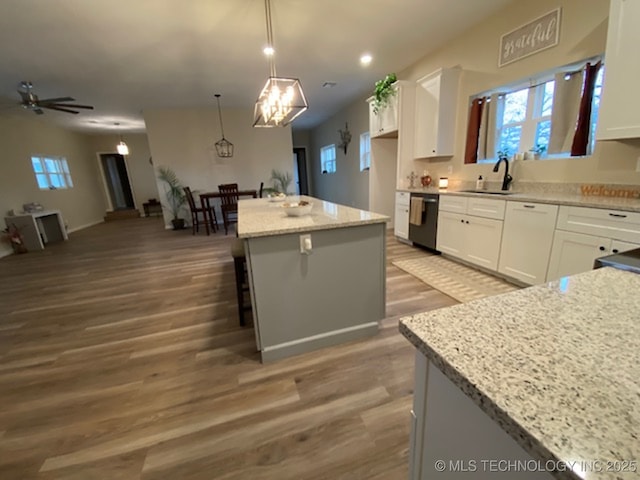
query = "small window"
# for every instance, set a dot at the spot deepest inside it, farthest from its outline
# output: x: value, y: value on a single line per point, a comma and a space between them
x: 51, y: 172
x: 365, y: 151
x: 328, y: 159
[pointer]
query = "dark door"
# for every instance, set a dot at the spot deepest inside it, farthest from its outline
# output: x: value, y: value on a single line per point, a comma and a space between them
x: 300, y: 161
x: 115, y: 174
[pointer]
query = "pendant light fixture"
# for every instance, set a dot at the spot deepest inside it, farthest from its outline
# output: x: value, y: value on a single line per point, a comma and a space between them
x: 282, y: 99
x: 122, y: 147
x: 224, y: 147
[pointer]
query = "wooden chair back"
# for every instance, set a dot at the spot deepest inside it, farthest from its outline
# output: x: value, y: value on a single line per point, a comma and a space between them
x: 189, y: 195
x: 230, y: 193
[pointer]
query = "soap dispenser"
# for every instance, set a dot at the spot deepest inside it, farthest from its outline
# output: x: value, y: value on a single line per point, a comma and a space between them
x: 480, y: 183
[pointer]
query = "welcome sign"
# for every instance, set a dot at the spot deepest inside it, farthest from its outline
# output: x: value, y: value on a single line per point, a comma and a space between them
x: 535, y: 36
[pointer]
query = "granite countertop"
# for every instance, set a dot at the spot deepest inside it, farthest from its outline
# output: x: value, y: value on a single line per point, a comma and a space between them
x: 557, y: 366
x: 555, y: 198
x: 262, y: 217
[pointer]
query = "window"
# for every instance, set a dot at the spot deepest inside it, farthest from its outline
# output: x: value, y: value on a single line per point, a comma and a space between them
x: 365, y: 151
x: 51, y: 172
x: 328, y: 159
x: 523, y: 119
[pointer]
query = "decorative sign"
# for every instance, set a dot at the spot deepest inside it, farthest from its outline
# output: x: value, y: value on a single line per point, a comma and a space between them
x: 535, y: 36
x: 609, y: 191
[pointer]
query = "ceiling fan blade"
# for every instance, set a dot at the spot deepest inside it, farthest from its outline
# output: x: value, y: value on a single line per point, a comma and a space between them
x: 51, y: 107
x: 57, y: 100
x: 65, y: 105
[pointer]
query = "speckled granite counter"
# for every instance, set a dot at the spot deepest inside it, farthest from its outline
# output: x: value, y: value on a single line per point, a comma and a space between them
x: 557, y: 366
x: 260, y: 217
x: 554, y: 198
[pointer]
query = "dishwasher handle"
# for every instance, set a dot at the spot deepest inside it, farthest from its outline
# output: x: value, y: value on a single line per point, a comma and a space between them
x: 429, y: 200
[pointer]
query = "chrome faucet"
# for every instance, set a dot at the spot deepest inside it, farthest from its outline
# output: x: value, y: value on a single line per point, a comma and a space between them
x: 507, y: 178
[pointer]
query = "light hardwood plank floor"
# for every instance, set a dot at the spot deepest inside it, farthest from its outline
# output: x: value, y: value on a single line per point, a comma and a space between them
x: 121, y: 358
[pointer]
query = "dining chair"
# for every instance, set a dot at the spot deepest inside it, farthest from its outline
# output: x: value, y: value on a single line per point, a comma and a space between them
x: 229, y: 204
x: 202, y: 210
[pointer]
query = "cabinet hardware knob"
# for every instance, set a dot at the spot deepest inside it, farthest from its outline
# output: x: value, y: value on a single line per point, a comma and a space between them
x: 529, y: 206
x: 602, y: 249
x: 615, y: 250
x: 467, y: 222
x: 617, y: 215
x: 461, y: 221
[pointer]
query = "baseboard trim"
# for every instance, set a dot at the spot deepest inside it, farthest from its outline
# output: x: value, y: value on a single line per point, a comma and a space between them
x: 315, y: 342
x: 86, y: 225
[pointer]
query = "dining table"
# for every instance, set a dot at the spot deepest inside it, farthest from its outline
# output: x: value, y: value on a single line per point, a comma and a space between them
x: 205, y: 201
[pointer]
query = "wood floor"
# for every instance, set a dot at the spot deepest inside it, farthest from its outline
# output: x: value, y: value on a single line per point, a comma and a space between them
x: 121, y: 358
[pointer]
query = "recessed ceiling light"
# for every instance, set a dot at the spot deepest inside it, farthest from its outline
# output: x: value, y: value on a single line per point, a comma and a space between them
x: 268, y: 50
x: 365, y: 59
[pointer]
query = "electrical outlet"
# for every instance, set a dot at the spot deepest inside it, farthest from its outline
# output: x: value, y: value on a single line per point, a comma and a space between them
x: 306, y: 246
x: 450, y: 169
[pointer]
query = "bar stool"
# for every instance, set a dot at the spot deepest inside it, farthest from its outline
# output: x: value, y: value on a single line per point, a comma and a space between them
x: 242, y: 285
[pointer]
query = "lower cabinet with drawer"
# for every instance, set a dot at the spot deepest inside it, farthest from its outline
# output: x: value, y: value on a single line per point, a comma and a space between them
x: 584, y: 234
x: 474, y: 238
x: 401, y: 220
x: 526, y: 241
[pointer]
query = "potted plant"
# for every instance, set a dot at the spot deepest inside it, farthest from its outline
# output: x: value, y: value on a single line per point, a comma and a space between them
x: 280, y: 182
x: 538, y: 151
x: 175, y: 195
x: 13, y: 236
x: 383, y: 91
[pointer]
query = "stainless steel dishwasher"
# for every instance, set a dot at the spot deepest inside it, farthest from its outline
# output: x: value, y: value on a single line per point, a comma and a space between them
x: 423, y: 228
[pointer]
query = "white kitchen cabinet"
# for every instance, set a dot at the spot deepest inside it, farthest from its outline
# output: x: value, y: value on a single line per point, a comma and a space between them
x: 619, y: 247
x: 385, y: 122
x: 482, y: 241
x: 619, y: 116
x: 435, y: 113
x: 474, y: 235
x: 450, y: 235
x: 401, y: 220
x: 575, y: 253
x: 527, y: 238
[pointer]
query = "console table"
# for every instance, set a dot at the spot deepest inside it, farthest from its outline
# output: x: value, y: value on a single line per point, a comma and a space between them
x: 39, y: 228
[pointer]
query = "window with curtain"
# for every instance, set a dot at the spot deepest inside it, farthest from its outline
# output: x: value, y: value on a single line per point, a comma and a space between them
x: 328, y: 159
x: 365, y: 151
x: 51, y: 172
x: 556, y: 117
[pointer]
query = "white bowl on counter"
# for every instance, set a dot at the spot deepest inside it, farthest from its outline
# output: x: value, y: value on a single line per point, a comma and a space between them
x: 295, y: 209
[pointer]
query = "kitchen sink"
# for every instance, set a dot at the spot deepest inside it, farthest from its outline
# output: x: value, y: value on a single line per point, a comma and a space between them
x: 490, y: 192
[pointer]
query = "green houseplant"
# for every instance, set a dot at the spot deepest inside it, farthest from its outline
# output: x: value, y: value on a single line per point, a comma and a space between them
x: 175, y: 195
x: 280, y: 182
x: 383, y: 92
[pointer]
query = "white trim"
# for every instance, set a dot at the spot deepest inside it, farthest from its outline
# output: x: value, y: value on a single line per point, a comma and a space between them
x: 86, y: 225
x: 320, y: 336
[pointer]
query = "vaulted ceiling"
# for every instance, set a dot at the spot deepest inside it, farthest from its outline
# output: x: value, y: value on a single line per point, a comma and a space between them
x: 127, y: 56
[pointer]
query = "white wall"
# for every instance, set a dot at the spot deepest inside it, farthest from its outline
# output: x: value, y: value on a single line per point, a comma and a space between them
x: 348, y: 186
x: 183, y: 139
x: 22, y: 135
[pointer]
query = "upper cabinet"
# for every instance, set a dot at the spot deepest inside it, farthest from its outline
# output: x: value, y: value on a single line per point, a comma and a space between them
x: 385, y: 122
x: 435, y: 113
x: 619, y: 116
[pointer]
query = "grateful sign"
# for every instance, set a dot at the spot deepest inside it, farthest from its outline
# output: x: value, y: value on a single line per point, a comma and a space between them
x: 535, y: 36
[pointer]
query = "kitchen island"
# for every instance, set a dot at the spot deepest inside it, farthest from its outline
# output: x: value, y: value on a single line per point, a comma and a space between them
x: 540, y: 383
x: 315, y: 280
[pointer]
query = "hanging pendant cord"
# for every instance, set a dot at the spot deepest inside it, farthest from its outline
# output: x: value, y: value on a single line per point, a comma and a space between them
x: 217, y: 95
x: 267, y: 10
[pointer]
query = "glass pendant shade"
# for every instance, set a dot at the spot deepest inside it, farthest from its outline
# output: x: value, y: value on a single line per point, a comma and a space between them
x: 279, y: 103
x: 224, y: 148
x: 122, y: 147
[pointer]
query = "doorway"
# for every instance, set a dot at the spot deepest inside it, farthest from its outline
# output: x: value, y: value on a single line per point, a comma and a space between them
x: 300, y: 170
x: 116, y: 178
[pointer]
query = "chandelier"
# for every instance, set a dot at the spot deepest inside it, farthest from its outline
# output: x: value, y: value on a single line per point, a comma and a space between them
x: 224, y: 147
x: 282, y: 99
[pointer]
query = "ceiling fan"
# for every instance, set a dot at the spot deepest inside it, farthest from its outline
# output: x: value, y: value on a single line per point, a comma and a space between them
x: 31, y: 101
